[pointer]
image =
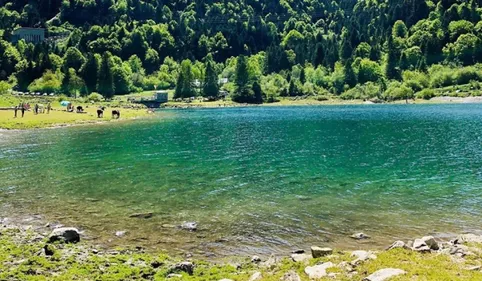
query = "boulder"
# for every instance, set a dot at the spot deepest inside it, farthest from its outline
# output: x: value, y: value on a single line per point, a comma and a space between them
x: 65, y: 234
x: 291, y: 276
x: 360, y: 236
x: 384, y: 274
x: 120, y: 233
x: 419, y: 245
x: 318, y: 271
x: 300, y: 257
x: 190, y: 226
x: 173, y: 275
x: 431, y: 243
x: 362, y: 256
x: 396, y: 245
x: 318, y: 252
x: 256, y: 276
x: 185, y: 266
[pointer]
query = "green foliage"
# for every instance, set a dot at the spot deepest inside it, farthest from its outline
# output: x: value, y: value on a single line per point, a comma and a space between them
x: 4, y: 87
x: 49, y: 83
x: 95, y: 97
x: 425, y: 94
x: 211, y: 87
x: 184, y: 87
x: 398, y: 91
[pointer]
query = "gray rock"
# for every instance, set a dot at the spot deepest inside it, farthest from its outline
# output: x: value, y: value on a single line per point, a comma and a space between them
x: 291, y: 276
x: 120, y: 233
x: 474, y: 268
x: 362, y: 256
x: 168, y: 225
x: 300, y: 257
x: 256, y: 276
x: 468, y: 238
x: 360, y: 236
x: 431, y: 243
x: 384, y: 274
x: 318, y: 252
x: 185, y: 266
x: 420, y: 246
x: 65, y: 234
x: 271, y: 262
x: 174, y: 275
x: 318, y: 271
x: 190, y: 226
x: 397, y: 245
x: 255, y: 259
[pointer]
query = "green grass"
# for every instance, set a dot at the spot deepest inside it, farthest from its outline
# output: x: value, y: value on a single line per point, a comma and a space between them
x: 22, y: 259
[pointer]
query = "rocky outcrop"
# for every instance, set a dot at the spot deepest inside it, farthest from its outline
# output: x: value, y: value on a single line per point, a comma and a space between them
x: 318, y: 252
x: 468, y: 238
x: 318, y: 271
x: 65, y: 234
x: 362, y: 256
x: 256, y: 276
x: 397, y: 245
x: 300, y: 257
x: 384, y: 274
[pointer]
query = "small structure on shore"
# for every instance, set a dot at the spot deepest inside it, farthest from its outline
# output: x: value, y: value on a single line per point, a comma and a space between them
x: 155, y: 101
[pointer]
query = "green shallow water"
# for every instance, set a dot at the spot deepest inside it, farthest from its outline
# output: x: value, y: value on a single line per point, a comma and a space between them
x: 257, y: 180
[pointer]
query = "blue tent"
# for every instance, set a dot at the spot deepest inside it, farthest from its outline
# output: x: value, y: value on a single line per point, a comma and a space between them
x: 64, y: 103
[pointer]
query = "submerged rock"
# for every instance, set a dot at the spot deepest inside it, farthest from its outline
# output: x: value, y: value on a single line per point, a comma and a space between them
x: 360, y: 236
x: 318, y: 252
x: 384, y: 274
x: 65, y: 234
x: 318, y: 271
x: 190, y: 226
x: 141, y: 215
x: 291, y: 276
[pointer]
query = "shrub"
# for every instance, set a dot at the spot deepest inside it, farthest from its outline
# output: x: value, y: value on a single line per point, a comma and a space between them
x: 95, y: 97
x: 398, y: 91
x: 425, y: 94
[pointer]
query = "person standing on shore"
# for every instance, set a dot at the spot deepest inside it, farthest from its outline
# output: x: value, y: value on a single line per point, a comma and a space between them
x: 23, y: 109
x: 49, y: 106
x: 35, y: 109
x: 16, y: 109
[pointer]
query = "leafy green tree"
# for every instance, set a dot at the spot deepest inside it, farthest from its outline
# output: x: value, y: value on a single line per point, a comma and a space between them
x: 72, y: 84
x: 73, y: 58
x: 90, y: 71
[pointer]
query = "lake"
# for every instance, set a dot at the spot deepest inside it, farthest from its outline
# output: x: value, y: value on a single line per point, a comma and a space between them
x: 257, y: 180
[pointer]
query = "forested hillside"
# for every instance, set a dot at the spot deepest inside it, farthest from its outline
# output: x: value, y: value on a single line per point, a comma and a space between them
x: 372, y: 49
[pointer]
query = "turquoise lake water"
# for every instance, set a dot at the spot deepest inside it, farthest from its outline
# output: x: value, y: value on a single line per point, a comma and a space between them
x: 256, y: 180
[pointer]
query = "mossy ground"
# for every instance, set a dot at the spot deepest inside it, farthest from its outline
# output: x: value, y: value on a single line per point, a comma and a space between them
x: 22, y: 257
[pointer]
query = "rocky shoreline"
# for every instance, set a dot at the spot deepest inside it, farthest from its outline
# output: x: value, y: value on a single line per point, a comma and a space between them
x: 29, y: 252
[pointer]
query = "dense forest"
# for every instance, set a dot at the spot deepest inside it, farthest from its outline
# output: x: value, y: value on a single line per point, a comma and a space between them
x: 368, y: 49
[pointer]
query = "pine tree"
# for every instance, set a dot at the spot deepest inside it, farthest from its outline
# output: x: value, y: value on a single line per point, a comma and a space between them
x: 391, y: 69
x: 211, y: 86
x: 350, y: 76
x: 319, y: 55
x: 105, y: 82
x: 89, y: 72
x: 302, y: 76
x: 243, y: 90
x: 258, y: 93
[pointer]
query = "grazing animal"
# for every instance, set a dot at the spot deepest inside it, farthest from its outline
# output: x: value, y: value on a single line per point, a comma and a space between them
x: 100, y: 112
x: 80, y: 109
x: 116, y: 114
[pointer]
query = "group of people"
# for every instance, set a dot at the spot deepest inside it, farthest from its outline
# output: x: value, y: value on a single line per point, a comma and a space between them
x: 26, y: 106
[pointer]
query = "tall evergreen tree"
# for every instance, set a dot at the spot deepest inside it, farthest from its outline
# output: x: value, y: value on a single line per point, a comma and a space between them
x: 392, y: 67
x: 349, y: 73
x: 90, y: 71
x: 105, y: 82
x: 211, y: 86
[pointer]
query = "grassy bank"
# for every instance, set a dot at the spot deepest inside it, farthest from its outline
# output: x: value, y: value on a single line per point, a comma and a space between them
x: 26, y: 254
x: 59, y: 117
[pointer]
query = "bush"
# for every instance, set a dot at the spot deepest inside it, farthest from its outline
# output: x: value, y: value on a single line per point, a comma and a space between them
x: 95, y: 97
x: 466, y: 74
x: 4, y: 87
x: 398, y: 91
x: 425, y: 94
